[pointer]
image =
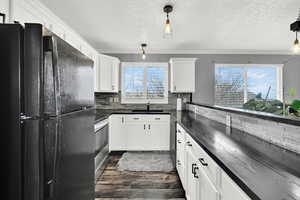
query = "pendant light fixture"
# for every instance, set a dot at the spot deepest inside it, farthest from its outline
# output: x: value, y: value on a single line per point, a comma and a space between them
x: 143, y: 51
x: 168, y: 28
x: 295, y: 27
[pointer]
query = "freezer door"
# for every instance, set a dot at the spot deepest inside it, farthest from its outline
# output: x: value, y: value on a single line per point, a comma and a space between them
x: 69, y: 157
x: 33, y: 70
x: 10, y: 57
x: 70, y: 73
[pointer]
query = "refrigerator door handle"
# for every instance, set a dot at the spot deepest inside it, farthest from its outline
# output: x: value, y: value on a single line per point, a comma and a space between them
x: 50, y: 183
x: 50, y: 46
x: 24, y: 117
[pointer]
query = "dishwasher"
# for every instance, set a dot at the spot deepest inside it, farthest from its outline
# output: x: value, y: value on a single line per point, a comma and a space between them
x: 101, y: 146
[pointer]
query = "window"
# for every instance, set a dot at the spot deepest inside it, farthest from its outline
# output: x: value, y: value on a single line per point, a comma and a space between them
x: 251, y: 86
x: 144, y: 82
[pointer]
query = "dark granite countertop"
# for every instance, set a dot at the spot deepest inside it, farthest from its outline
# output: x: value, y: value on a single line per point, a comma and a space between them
x: 102, y: 114
x: 263, y: 170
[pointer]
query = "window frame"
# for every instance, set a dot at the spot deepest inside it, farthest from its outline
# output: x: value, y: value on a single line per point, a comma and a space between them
x: 125, y: 100
x: 279, y: 73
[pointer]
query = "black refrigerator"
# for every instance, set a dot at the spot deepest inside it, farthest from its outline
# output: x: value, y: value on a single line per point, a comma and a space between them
x: 47, y: 116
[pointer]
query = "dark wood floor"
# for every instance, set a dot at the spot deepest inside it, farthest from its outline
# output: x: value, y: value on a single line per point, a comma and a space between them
x: 114, y: 184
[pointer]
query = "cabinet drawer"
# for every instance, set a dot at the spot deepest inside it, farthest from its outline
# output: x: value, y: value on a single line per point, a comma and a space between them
x: 180, y: 133
x: 206, y: 162
x: 134, y: 118
x: 157, y: 118
x: 230, y: 190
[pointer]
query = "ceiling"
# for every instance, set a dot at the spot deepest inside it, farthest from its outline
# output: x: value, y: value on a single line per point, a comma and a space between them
x: 200, y: 26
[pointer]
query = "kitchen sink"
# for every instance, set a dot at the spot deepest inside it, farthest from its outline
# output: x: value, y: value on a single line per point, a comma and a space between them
x: 147, y: 111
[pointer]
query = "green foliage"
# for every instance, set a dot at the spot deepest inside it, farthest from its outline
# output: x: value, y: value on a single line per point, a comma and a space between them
x: 270, y: 106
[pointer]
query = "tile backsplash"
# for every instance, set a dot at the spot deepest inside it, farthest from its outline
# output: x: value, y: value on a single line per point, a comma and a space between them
x: 113, y: 101
x: 284, y: 135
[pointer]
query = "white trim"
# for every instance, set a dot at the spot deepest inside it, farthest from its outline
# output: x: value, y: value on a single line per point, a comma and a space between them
x: 279, y: 76
x: 200, y: 51
x: 125, y: 100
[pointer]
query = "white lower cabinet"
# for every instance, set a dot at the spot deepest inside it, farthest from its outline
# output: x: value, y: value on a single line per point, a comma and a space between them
x: 230, y: 190
x: 201, y: 177
x: 132, y: 132
x: 117, y: 140
x: 135, y: 130
x: 192, y: 178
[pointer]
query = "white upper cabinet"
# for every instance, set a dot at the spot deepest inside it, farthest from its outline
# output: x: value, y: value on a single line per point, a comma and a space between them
x: 34, y: 11
x: 4, y: 8
x: 182, y: 71
x: 107, y: 74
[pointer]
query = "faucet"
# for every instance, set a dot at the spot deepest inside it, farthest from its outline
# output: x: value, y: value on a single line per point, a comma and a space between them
x: 148, y: 106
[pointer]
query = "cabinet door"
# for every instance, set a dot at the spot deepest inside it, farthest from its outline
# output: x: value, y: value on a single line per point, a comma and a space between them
x: 115, y: 74
x: 182, y: 76
x: 230, y: 190
x: 192, y: 183
x: 207, y: 190
x: 117, y: 133
x: 105, y: 74
x: 137, y: 138
x: 158, y: 136
x: 180, y: 163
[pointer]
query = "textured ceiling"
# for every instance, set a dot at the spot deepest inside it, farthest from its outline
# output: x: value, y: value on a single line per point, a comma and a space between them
x: 118, y: 26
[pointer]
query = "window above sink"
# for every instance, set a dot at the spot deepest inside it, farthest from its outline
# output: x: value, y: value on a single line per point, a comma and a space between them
x: 144, y: 83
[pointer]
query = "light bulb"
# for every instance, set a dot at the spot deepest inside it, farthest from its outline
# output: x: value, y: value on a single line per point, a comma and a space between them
x: 144, y: 56
x: 168, y: 28
x: 296, y: 46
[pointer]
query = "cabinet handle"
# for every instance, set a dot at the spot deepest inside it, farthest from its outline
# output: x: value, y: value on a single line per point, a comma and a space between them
x: 144, y: 126
x: 179, y: 141
x: 195, y: 174
x: 174, y: 88
x: 122, y: 119
x: 178, y: 162
x: 136, y: 118
x: 189, y: 144
x: 193, y: 167
x: 203, y: 162
x: 149, y: 126
x: 112, y: 87
x: 157, y: 118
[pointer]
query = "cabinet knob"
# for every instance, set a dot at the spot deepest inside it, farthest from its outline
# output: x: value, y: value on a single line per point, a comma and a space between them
x: 189, y: 143
x: 179, y: 141
x: 178, y: 162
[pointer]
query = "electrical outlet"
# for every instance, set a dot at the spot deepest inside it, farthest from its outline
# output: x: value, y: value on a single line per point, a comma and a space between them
x: 228, y: 120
